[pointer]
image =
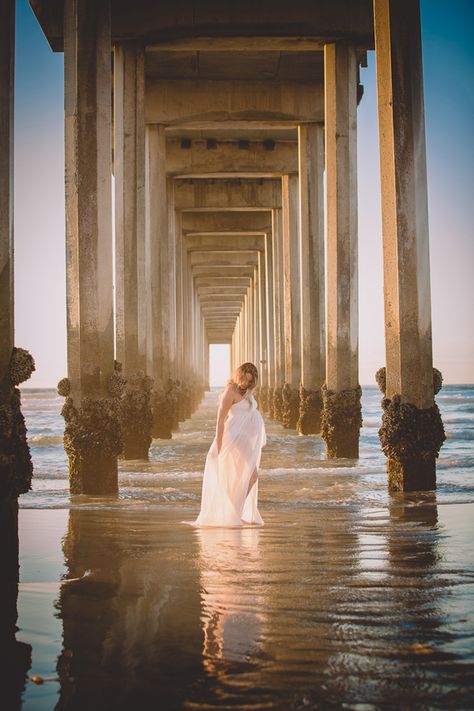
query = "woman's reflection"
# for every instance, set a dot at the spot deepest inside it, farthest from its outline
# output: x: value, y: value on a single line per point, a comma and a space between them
x: 231, y: 601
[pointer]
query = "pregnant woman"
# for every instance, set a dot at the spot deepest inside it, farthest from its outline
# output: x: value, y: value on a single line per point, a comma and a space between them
x: 230, y: 484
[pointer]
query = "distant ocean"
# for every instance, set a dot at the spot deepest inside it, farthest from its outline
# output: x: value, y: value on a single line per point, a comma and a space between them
x: 175, y: 467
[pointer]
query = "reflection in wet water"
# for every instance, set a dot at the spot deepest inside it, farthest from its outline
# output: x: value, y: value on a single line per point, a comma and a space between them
x: 339, y: 607
x: 130, y: 612
x: 231, y: 606
x: 346, y: 598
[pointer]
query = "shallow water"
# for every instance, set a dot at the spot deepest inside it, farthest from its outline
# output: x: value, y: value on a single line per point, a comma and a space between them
x: 348, y: 597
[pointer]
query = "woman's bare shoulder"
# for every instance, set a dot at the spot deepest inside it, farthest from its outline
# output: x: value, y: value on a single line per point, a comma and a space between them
x: 228, y: 387
x: 228, y: 392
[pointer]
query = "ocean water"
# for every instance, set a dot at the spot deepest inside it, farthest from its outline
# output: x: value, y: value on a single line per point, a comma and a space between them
x: 348, y: 598
x: 298, y: 463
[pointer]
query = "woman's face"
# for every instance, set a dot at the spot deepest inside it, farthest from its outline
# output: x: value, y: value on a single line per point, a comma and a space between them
x: 245, y: 379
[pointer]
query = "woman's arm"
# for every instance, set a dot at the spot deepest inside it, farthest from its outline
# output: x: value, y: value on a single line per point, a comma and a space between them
x: 224, y: 407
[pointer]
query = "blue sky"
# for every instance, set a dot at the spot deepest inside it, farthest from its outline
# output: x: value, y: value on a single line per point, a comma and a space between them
x: 448, y: 60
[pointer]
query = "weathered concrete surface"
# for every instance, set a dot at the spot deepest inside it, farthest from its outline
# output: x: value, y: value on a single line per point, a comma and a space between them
x: 408, y: 341
x: 223, y: 242
x: 157, y: 251
x: 311, y: 239
x: 236, y: 281
x: 181, y: 293
x: 171, y: 103
x: 204, y: 21
x: 291, y: 282
x: 16, y: 366
x: 225, y: 258
x: 341, y: 194
x: 224, y: 290
x: 261, y: 323
x: 136, y: 416
x: 228, y: 157
x: 217, y: 270
x: 227, y: 194
x: 7, y: 59
x: 221, y: 222
x: 129, y: 171
x: 278, y: 301
x: 411, y: 438
x: 88, y: 198
x: 404, y: 203
x: 89, y: 244
x: 269, y: 296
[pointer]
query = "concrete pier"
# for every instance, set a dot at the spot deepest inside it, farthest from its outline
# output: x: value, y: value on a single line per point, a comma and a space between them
x: 312, y: 293
x: 412, y: 432
x: 341, y: 419
x: 130, y: 258
x: 221, y: 136
x: 292, y: 301
x: 91, y: 410
x: 16, y: 366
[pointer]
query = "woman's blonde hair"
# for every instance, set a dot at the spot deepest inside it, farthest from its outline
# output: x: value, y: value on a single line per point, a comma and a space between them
x: 245, y: 368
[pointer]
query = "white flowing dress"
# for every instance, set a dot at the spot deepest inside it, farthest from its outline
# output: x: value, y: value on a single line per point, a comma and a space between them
x: 224, y: 500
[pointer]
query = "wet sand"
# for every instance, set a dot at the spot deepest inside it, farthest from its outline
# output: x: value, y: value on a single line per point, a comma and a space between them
x: 326, y: 610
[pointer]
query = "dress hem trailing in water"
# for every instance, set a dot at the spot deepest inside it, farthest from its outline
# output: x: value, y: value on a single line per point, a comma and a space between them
x: 226, y: 500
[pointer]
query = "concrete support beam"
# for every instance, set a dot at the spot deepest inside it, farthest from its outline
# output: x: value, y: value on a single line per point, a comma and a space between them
x: 223, y: 300
x: 408, y: 342
x: 230, y: 272
x: 228, y: 157
x: 278, y: 303
x: 7, y: 63
x: 224, y: 291
x: 292, y: 301
x: 157, y: 251
x: 341, y: 417
x: 173, y: 221
x: 227, y: 194
x: 88, y: 198
x: 130, y: 257
x: 180, y: 255
x: 270, y: 335
x: 247, y: 321
x: 222, y: 281
x: 261, y: 322
x: 129, y: 168
x: 15, y: 460
x: 161, y: 263
x: 221, y: 222
x: 223, y: 243
x: 225, y: 258
x: 164, y: 28
x: 291, y: 281
x: 199, y: 101
x: 88, y: 153
x: 223, y: 311
x: 311, y: 238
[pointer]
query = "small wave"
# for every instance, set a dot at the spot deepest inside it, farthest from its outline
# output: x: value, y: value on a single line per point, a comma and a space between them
x: 342, y: 470
x: 372, y: 422
x: 152, y: 477
x: 40, y: 440
x: 459, y: 434
x: 454, y: 398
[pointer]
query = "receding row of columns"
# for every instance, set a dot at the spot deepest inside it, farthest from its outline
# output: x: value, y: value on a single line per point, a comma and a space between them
x: 300, y: 326
x: 139, y: 317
